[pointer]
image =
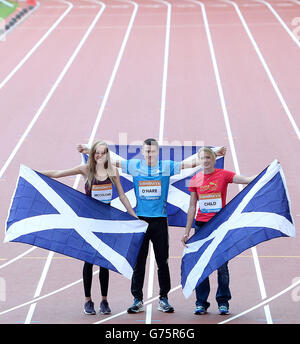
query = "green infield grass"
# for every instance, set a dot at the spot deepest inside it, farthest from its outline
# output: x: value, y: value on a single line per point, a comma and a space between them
x: 5, y: 10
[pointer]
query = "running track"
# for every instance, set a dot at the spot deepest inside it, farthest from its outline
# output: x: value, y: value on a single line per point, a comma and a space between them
x: 218, y: 72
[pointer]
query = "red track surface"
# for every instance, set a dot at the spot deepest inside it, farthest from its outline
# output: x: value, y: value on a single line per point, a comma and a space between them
x: 65, y: 92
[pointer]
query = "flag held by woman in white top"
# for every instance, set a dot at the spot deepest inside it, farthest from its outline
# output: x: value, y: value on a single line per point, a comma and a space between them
x: 54, y: 216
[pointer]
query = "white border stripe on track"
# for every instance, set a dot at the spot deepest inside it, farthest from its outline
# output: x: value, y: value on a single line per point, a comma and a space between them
x: 94, y: 130
x: 93, y: 133
x: 37, y: 45
x: 5, y: 166
x: 50, y: 94
x: 232, y: 146
x: 71, y: 60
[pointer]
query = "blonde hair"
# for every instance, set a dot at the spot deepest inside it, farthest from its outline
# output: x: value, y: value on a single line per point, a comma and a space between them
x: 92, y: 163
x: 209, y: 151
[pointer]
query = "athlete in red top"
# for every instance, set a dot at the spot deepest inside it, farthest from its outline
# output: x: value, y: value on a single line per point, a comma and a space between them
x: 209, y: 188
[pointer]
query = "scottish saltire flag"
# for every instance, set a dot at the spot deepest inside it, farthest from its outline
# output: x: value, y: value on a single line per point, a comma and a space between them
x: 179, y: 195
x: 260, y: 212
x: 54, y: 216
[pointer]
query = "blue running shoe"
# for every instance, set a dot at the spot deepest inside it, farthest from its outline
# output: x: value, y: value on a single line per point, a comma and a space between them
x: 104, y: 307
x: 223, y: 310
x: 164, y: 306
x: 89, y: 308
x: 137, y: 307
x: 200, y: 310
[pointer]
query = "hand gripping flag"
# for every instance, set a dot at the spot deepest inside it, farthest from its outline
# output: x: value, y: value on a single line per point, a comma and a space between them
x: 54, y: 216
x: 260, y: 212
x: 179, y: 195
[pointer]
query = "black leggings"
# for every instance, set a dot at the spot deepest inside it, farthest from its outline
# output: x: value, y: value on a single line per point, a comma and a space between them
x: 88, y: 277
x: 157, y: 232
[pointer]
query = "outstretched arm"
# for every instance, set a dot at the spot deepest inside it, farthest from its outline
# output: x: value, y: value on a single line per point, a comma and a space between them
x: 190, y: 217
x: 191, y: 163
x: 81, y: 169
x: 237, y: 179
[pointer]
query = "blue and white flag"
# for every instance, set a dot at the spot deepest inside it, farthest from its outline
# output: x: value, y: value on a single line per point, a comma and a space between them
x: 260, y: 212
x: 179, y: 195
x: 54, y: 216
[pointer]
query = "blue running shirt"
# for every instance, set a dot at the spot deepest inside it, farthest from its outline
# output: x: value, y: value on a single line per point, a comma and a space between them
x: 151, y: 185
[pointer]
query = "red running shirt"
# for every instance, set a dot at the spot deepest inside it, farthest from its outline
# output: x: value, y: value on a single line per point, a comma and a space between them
x: 211, y: 191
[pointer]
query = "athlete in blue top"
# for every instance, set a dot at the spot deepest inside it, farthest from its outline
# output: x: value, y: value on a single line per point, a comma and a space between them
x: 151, y: 183
x: 151, y: 179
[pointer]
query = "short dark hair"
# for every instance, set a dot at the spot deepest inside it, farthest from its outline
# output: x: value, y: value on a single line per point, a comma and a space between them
x: 150, y: 142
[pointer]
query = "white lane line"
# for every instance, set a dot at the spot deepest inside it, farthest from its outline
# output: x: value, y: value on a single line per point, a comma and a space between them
x: 72, y: 284
x: 50, y: 94
x: 294, y: 38
x: 17, y: 258
x: 39, y: 287
x: 148, y: 303
x: 231, y: 142
x: 150, y: 284
x: 267, y: 69
x: 114, y: 72
x: 251, y: 309
x: 37, y: 45
x: 51, y: 253
x: 165, y: 73
x: 77, y: 179
x: 295, y: 2
x: 56, y: 291
x: 263, y: 303
x: 93, y: 133
x: 160, y: 141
